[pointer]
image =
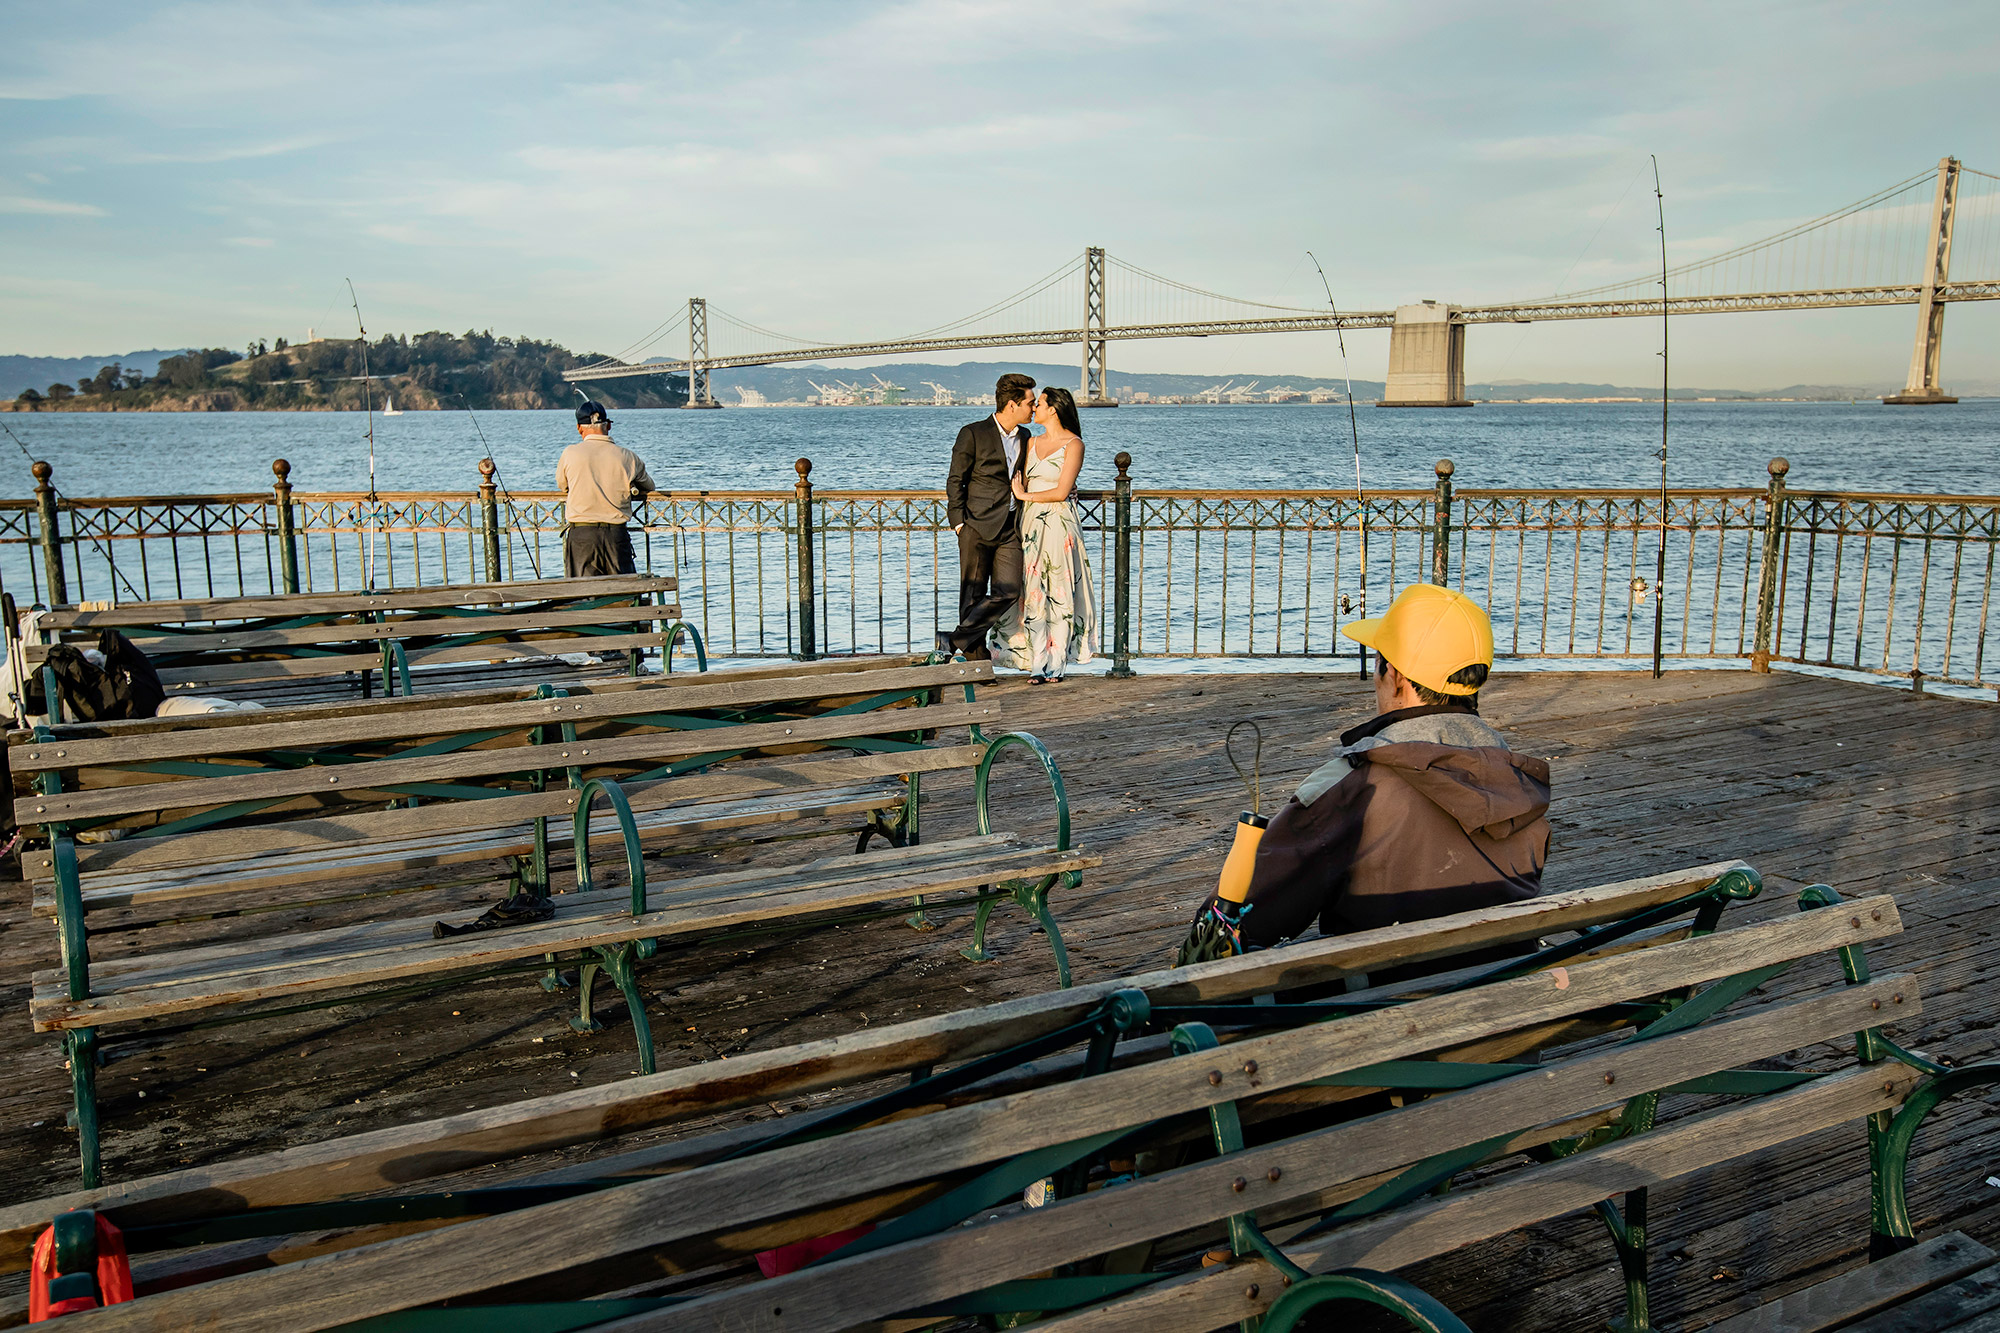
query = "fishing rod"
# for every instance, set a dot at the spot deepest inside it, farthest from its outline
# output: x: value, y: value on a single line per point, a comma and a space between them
x: 507, y: 496
x: 368, y: 405
x: 1354, y: 429
x: 116, y: 572
x: 1660, y: 571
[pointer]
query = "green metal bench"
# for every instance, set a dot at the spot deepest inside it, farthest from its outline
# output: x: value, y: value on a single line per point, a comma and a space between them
x: 301, y: 646
x: 1085, y: 1098
x: 290, y: 811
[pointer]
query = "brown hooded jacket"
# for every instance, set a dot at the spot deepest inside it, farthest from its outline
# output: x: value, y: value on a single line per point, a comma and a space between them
x: 1421, y: 813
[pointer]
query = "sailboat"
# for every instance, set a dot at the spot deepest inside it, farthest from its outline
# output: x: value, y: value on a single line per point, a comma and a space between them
x: 390, y: 410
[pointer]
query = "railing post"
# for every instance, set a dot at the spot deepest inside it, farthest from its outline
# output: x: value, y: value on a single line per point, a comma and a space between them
x: 51, y: 535
x: 288, y: 532
x: 1121, y: 597
x: 808, y: 645
x: 1441, y: 526
x: 1767, y: 574
x: 489, y: 518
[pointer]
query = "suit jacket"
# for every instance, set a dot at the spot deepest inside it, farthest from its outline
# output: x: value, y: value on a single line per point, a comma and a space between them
x: 979, y: 490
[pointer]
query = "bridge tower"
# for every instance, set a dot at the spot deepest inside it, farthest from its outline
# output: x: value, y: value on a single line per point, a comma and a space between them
x: 1095, y: 392
x: 1426, y: 358
x: 1922, y: 385
x: 698, y: 394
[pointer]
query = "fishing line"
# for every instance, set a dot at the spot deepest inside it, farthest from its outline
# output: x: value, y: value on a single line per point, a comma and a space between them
x: 507, y: 496
x: 1354, y: 429
x: 115, y: 571
x: 1660, y: 573
x: 368, y: 405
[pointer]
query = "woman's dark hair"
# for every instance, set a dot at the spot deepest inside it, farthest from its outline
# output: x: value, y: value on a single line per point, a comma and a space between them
x: 1474, y: 675
x: 1065, y: 407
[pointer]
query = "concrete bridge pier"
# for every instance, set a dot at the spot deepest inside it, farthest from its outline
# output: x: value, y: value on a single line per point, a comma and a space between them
x: 1426, y: 358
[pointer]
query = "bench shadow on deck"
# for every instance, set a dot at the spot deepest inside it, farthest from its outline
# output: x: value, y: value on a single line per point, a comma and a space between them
x: 1809, y: 779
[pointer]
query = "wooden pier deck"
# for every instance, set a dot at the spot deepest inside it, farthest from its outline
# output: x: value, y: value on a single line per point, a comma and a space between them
x: 1809, y: 779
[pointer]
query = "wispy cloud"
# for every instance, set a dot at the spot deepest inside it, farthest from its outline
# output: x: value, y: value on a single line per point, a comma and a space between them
x: 62, y: 208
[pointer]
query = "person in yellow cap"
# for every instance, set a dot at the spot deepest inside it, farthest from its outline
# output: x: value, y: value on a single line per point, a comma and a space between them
x: 1423, y: 810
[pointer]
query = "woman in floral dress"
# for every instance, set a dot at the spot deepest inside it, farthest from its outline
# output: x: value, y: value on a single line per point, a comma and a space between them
x: 1055, y: 622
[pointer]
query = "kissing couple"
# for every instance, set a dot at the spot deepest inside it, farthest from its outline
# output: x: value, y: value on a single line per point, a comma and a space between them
x: 1025, y: 597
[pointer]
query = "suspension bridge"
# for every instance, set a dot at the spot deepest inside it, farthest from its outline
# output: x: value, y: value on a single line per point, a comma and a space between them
x: 1897, y: 246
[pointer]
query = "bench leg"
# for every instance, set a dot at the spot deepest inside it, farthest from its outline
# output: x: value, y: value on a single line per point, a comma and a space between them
x: 622, y: 965
x: 586, y: 985
x: 81, y: 1044
x: 976, y: 951
x: 1036, y: 900
x: 1628, y: 1233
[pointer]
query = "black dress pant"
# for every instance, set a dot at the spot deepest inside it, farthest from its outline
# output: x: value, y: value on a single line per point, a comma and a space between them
x: 593, y: 550
x: 989, y: 583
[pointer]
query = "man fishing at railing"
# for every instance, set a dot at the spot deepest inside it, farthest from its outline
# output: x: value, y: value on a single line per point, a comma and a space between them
x: 599, y: 481
x: 1423, y: 811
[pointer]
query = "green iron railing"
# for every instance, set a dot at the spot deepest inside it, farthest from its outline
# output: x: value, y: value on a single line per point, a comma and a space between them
x: 1878, y: 583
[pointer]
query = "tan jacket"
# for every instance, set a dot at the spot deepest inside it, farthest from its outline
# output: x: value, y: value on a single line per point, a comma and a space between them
x: 597, y: 479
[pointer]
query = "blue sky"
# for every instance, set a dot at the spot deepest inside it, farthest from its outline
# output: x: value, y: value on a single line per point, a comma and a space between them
x: 209, y: 173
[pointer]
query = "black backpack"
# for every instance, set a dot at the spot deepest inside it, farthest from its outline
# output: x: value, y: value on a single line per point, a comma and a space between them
x: 125, y: 686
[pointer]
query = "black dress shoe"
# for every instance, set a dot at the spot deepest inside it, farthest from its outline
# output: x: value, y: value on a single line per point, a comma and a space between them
x: 942, y: 643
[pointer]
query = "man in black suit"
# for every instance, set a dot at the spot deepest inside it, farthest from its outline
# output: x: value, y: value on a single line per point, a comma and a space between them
x: 980, y: 505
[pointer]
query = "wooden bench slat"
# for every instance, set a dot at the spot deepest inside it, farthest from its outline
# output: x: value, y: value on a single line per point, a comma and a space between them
x: 962, y: 1260
x: 377, y: 775
x: 323, y: 710
x: 333, y: 959
x: 139, y: 854
x: 340, y: 664
x: 163, y: 640
x: 1540, y: 1192
x: 1840, y: 1300
x: 152, y: 887
x: 487, y: 1252
x: 666, y: 694
x: 355, y: 600
x: 402, y: 1155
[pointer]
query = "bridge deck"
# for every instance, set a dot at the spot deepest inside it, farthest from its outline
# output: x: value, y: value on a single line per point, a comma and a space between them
x: 1809, y: 779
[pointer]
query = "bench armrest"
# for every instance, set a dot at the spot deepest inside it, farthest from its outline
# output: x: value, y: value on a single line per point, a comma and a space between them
x: 634, y: 859
x: 69, y: 916
x: 1027, y: 741
x: 674, y: 633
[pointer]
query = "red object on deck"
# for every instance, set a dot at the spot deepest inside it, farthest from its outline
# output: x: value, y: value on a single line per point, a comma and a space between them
x: 113, y: 1274
x: 790, y: 1258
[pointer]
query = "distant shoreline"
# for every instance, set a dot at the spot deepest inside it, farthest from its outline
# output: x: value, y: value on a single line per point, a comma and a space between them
x: 195, y: 406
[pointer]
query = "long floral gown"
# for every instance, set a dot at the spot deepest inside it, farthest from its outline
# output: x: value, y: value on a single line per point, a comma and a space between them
x: 1055, y: 622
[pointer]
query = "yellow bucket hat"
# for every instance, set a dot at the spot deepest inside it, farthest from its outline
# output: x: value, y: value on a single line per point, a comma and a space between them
x: 1429, y: 633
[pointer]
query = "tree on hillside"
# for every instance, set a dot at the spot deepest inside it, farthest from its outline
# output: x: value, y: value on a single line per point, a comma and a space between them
x: 59, y: 392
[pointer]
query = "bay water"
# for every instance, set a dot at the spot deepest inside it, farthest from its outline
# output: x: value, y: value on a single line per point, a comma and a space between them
x: 1831, y: 446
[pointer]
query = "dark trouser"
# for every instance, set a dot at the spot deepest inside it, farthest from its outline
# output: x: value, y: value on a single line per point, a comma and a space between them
x: 989, y: 583
x: 594, y: 549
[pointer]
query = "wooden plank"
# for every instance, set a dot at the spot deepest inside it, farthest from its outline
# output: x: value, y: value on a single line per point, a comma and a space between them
x: 1219, y: 1296
x: 135, y: 855
x: 398, y: 1155
x: 403, y: 628
x: 1969, y: 1305
x: 834, y: 1296
x: 339, y: 664
x: 344, y: 959
x: 356, y: 600
x: 325, y: 709
x: 720, y: 690
x: 329, y: 863
x: 332, y: 1289
x: 377, y: 775
x: 1846, y: 1297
